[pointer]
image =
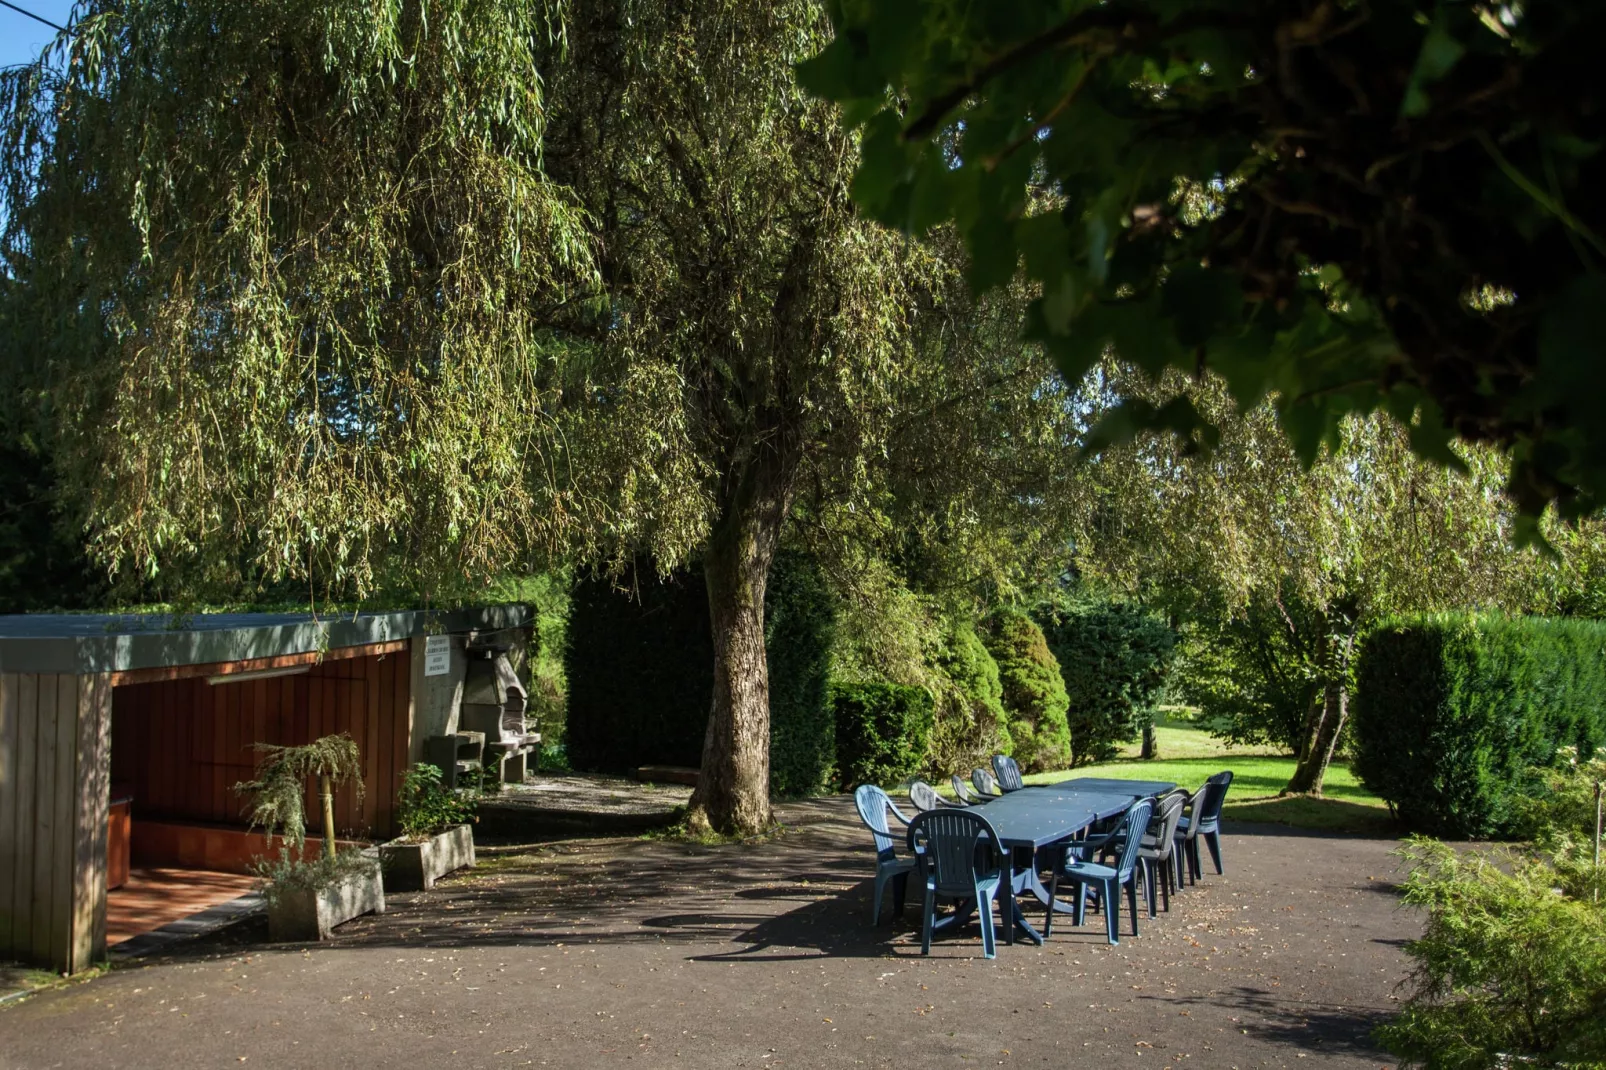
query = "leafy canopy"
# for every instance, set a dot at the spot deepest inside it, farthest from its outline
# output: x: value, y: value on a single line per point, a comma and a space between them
x: 1345, y: 207
x: 273, y: 274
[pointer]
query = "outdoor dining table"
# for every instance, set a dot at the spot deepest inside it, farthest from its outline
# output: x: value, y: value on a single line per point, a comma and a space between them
x: 1143, y: 789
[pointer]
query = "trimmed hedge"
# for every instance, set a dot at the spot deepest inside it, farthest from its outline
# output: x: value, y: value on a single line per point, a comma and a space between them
x: 799, y: 625
x: 641, y: 674
x: 882, y: 731
x: 1452, y: 710
x: 1034, y: 692
x: 1114, y: 659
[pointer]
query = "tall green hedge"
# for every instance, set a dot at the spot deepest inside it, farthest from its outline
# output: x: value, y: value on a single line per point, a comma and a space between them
x: 882, y: 731
x: 1114, y: 658
x: 640, y: 671
x: 1034, y: 692
x: 971, y: 723
x: 799, y: 619
x: 1451, y: 711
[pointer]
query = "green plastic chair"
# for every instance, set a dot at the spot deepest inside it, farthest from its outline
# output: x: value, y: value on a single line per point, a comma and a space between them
x: 1204, y: 820
x: 873, y: 804
x: 1109, y: 880
x: 952, y: 843
x: 1009, y: 778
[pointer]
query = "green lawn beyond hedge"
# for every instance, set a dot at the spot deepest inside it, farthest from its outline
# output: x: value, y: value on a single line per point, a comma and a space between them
x: 1257, y: 777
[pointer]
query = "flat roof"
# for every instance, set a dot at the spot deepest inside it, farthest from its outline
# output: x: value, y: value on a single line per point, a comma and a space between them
x: 117, y: 642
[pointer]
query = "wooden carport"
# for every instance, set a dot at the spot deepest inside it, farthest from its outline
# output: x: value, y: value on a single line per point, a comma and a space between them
x: 170, y: 714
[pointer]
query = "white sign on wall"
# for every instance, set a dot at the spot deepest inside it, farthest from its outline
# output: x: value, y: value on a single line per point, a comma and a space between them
x: 437, y: 655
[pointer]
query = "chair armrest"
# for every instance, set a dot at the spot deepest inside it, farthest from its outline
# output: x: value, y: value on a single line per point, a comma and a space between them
x: 899, y: 814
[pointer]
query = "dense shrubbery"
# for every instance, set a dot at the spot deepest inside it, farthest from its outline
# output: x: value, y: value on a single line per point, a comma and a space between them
x: 640, y: 673
x: 1511, y: 967
x: 1034, y: 692
x: 1451, y: 711
x: 1114, y: 658
x: 971, y: 725
x: 1253, y: 674
x: 882, y: 732
x: 799, y: 618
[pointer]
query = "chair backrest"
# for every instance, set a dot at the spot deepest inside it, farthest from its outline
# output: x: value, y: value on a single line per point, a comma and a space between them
x: 873, y: 804
x: 1008, y: 773
x: 1133, y: 823
x: 923, y: 795
x: 1167, y: 816
x: 1178, y: 795
x: 984, y: 781
x: 960, y: 789
x: 1210, y: 810
x: 947, y: 839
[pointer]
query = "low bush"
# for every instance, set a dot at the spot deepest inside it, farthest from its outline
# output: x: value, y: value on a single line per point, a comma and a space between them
x: 1033, y: 691
x: 425, y: 806
x: 882, y: 731
x: 1114, y: 658
x: 1452, y: 711
x: 1510, y: 969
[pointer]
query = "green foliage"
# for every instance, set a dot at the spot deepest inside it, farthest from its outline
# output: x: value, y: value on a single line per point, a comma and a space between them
x: 1033, y: 691
x: 281, y: 781
x: 882, y: 731
x: 281, y: 265
x: 1329, y: 207
x: 1114, y: 658
x: 548, y: 594
x: 1556, y: 813
x: 799, y: 621
x: 1252, y: 675
x: 640, y: 672
x: 42, y: 564
x: 1451, y: 711
x: 280, y: 875
x: 425, y: 806
x: 971, y: 724
x: 1510, y: 970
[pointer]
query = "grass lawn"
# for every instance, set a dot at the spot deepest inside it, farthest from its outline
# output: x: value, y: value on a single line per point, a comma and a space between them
x: 1188, y: 755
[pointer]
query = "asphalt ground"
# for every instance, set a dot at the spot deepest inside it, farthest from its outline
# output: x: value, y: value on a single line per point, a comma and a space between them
x: 626, y: 951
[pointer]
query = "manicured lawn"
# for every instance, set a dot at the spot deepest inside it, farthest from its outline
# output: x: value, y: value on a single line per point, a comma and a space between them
x: 1189, y: 755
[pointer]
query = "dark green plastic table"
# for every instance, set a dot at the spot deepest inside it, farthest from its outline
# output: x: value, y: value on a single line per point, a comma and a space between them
x: 1135, y: 788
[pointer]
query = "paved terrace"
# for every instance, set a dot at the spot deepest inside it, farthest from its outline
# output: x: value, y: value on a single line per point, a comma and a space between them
x: 616, y: 952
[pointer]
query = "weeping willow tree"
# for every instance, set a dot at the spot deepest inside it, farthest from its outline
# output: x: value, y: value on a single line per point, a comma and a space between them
x: 774, y: 364
x: 274, y: 272
x: 320, y: 291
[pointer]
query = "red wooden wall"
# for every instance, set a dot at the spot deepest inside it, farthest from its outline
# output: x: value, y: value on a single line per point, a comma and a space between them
x: 180, y: 746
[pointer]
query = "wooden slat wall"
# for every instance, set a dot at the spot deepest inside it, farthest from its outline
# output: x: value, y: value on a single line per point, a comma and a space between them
x: 54, y: 739
x: 180, y: 746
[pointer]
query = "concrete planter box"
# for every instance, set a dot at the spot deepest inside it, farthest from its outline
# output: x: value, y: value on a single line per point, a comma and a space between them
x: 413, y: 867
x: 298, y: 914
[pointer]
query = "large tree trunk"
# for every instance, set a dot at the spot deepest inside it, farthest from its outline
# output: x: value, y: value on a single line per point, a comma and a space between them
x: 1334, y: 706
x: 733, y: 788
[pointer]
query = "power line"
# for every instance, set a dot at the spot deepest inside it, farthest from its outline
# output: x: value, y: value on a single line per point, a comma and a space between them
x: 31, y: 15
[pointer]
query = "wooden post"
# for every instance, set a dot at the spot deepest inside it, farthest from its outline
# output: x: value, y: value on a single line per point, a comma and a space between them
x: 1597, y: 832
x: 54, y: 768
x: 328, y: 815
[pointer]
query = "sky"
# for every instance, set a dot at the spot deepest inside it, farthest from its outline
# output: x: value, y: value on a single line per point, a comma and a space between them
x: 21, y: 38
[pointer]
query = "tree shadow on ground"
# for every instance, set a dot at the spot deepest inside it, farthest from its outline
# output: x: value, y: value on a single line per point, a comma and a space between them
x: 1318, y: 1026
